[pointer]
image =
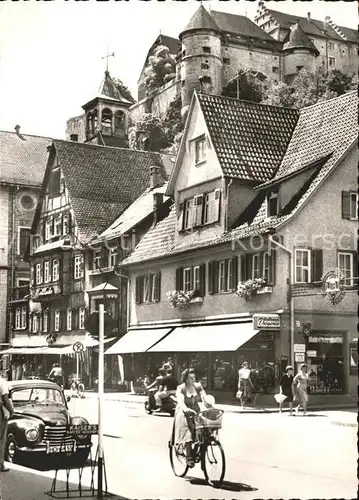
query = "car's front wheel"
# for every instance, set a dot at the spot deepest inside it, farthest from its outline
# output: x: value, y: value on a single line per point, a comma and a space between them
x: 11, y: 449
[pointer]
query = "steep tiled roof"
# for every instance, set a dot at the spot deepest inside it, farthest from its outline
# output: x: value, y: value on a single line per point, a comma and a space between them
x: 239, y: 25
x: 108, y: 88
x: 324, y: 132
x: 134, y: 214
x: 310, y: 26
x: 103, y: 181
x: 250, y: 139
x: 299, y: 39
x: 22, y: 158
x: 350, y: 34
x: 322, y: 129
x: 201, y: 19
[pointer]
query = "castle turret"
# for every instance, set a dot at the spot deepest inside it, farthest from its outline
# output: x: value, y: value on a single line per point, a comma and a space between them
x: 298, y: 53
x: 201, y: 67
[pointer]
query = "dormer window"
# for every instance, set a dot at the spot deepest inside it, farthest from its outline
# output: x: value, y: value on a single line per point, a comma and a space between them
x: 272, y: 203
x: 200, y: 145
x: 206, y: 50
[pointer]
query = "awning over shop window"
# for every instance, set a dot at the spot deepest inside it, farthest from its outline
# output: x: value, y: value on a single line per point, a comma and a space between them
x: 23, y: 350
x: 206, y: 338
x: 138, y: 341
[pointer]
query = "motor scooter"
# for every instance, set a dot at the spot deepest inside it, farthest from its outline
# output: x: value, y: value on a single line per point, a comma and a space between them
x: 168, y: 404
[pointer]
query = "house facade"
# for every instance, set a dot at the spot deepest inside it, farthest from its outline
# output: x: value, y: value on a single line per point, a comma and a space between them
x: 75, y: 205
x: 224, y: 289
x: 22, y: 163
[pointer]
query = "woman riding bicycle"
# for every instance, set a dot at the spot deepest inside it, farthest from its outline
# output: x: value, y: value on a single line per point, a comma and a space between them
x: 189, y: 394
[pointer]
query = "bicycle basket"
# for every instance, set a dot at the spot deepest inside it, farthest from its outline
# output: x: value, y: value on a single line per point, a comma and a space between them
x: 209, y: 419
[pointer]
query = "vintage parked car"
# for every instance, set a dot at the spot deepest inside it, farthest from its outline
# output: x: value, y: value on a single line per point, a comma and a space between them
x: 41, y: 424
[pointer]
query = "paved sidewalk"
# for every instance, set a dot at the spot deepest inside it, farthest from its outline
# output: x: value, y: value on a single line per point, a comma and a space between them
x: 22, y: 483
x: 342, y: 413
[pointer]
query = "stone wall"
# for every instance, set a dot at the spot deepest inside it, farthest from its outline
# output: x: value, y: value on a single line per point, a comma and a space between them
x: 76, y: 125
x: 156, y: 103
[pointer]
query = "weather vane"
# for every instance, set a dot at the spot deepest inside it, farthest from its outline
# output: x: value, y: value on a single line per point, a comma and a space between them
x: 107, y: 56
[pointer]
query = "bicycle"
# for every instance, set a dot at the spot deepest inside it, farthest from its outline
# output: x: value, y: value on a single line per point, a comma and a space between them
x: 206, y: 449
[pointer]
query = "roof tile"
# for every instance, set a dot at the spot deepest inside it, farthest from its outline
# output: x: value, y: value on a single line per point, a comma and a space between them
x: 250, y: 139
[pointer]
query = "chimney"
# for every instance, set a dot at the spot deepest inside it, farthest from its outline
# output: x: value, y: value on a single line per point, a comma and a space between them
x: 157, y: 202
x: 17, y: 129
x: 154, y: 176
x: 74, y: 138
x: 308, y: 16
x: 326, y: 22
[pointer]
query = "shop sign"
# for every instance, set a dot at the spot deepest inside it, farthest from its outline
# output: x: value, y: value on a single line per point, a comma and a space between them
x: 312, y: 354
x: 266, y: 322
x: 328, y: 339
x: 299, y: 348
x: 299, y: 357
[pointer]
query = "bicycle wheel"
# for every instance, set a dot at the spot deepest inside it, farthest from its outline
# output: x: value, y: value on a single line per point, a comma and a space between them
x: 177, y: 457
x: 214, y: 463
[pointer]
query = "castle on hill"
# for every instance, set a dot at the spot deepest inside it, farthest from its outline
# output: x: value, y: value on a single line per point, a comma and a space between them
x: 213, y: 50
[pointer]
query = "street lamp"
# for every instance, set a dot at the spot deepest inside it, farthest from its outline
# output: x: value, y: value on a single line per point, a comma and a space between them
x: 290, y: 295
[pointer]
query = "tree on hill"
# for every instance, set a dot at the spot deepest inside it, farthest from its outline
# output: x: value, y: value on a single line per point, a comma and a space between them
x: 161, y: 68
x: 308, y: 88
x: 246, y: 86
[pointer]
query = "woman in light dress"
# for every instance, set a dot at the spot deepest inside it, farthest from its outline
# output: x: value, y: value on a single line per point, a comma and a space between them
x: 189, y: 395
x: 245, y: 384
x: 300, y: 388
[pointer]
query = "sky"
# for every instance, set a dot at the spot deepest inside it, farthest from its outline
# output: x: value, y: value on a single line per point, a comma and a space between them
x: 51, y: 51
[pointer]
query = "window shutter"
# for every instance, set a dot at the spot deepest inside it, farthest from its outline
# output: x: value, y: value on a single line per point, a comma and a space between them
x: 180, y: 217
x: 217, y: 205
x: 226, y: 264
x: 210, y: 277
x: 202, y: 279
x: 191, y: 285
x: 272, y: 267
x: 317, y: 266
x: 138, y: 290
x: 355, y: 268
x: 158, y: 288
x: 345, y: 205
x: 179, y: 278
x: 243, y: 272
x: 198, y: 209
x: 248, y: 266
x: 215, y: 277
x: 234, y: 273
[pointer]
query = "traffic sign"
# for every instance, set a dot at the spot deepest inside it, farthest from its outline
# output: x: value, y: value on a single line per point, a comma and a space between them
x: 78, y: 347
x: 299, y: 348
x: 299, y: 357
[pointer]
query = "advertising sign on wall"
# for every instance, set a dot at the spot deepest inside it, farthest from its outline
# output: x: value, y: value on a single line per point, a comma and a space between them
x: 266, y: 321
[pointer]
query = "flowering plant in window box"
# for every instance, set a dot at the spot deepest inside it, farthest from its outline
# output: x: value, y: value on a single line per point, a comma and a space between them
x: 248, y: 289
x: 180, y: 298
x: 51, y: 338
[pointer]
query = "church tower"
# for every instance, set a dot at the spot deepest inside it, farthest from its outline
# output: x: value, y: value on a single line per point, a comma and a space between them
x: 106, y: 116
x: 299, y: 52
x: 201, y: 66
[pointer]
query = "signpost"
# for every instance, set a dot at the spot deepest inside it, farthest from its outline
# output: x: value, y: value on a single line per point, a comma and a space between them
x: 299, y: 357
x: 77, y: 348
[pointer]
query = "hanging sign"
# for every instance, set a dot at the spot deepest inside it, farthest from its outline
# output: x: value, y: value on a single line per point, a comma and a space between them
x: 83, y: 429
x: 266, y: 322
x: 299, y: 348
x: 299, y: 357
x: 312, y: 354
x: 78, y: 347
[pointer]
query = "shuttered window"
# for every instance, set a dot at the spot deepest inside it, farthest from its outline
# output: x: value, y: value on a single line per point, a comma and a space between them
x: 198, y: 210
x: 188, y: 214
x: 222, y: 275
x: 191, y: 278
x: 148, y: 288
x: 350, y: 205
x: 317, y: 266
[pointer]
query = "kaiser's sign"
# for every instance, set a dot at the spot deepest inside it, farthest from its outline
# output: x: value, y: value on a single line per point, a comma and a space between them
x: 266, y: 322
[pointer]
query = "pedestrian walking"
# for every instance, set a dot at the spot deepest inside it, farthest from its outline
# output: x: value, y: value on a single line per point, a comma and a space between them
x: 300, y: 388
x: 285, y: 388
x: 6, y: 412
x: 245, y: 384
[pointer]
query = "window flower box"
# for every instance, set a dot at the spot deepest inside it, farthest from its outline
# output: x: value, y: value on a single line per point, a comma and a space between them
x: 265, y: 289
x: 181, y: 299
x: 250, y: 288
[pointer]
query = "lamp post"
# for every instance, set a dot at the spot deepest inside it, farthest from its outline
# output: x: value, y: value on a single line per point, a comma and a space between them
x: 290, y: 296
x: 101, y: 383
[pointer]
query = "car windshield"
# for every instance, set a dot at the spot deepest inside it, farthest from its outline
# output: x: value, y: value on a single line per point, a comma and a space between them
x: 37, y: 395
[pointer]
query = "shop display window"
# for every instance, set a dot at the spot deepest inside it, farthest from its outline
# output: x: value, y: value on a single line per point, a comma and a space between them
x: 223, y: 372
x: 197, y: 361
x: 353, y: 358
x: 326, y: 364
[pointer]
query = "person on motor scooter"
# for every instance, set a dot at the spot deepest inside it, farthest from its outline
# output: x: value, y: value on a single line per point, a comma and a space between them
x: 169, y: 386
x: 157, y: 386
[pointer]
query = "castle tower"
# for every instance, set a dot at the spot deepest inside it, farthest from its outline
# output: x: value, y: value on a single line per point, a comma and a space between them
x: 201, y: 67
x: 106, y: 116
x: 299, y: 52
